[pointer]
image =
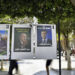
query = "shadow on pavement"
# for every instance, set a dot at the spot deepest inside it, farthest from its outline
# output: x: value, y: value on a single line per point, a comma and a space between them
x: 56, y: 72
x: 44, y: 73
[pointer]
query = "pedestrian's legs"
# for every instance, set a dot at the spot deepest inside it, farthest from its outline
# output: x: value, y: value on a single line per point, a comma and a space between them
x: 47, y: 69
x: 16, y: 66
x: 10, y: 70
x: 11, y: 67
x: 48, y: 63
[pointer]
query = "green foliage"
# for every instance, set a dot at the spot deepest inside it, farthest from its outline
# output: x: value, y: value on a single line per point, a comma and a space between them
x: 16, y: 20
x: 67, y: 25
x: 40, y: 8
x: 47, y: 11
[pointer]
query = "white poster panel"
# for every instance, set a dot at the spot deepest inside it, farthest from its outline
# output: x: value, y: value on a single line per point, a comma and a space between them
x: 46, y: 45
x: 21, y: 42
x: 4, y: 41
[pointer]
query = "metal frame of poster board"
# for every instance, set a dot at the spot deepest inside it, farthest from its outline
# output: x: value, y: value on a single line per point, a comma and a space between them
x: 5, y: 39
x: 18, y: 52
x: 46, y: 51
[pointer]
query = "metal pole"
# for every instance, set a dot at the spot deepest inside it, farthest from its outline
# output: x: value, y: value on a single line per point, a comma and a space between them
x: 59, y: 47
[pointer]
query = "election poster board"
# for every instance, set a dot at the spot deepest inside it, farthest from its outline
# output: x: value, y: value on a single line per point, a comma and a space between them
x: 21, y: 42
x: 4, y: 41
x: 46, y: 45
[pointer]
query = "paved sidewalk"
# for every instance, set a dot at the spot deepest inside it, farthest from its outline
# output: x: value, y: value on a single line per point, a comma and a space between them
x: 56, y: 72
x: 37, y: 67
x: 52, y: 72
x: 3, y: 73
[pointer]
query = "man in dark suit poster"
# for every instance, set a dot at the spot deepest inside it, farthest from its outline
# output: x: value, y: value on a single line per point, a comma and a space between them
x: 44, y: 37
x: 22, y: 41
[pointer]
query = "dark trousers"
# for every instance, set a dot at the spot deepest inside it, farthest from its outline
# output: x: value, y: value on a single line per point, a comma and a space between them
x: 13, y: 65
x: 48, y: 63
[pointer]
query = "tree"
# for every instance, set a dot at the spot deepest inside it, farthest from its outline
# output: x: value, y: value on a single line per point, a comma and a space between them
x: 45, y: 10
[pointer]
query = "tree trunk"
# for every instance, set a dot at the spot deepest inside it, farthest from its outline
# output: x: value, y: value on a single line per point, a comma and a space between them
x: 1, y: 65
x: 67, y: 52
x: 65, y: 46
x: 68, y: 60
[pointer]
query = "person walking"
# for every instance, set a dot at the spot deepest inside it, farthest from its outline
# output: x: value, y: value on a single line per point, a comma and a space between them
x: 13, y: 65
x: 48, y: 63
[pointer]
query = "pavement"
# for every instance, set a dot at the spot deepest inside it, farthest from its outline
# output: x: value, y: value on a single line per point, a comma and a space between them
x: 37, y: 67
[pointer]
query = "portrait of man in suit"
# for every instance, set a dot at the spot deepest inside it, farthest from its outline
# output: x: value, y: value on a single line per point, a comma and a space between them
x: 22, y: 41
x: 44, y: 38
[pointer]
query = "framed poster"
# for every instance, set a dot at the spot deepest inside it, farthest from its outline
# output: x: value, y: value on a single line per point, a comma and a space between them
x: 4, y: 41
x: 44, y: 36
x: 45, y: 41
x: 21, y: 41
